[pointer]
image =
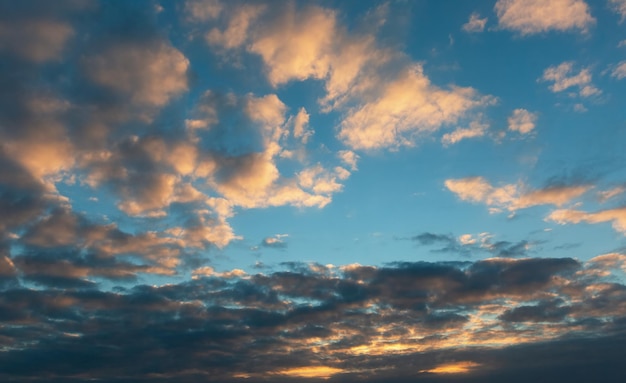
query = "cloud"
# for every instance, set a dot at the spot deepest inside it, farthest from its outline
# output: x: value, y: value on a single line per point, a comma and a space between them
x: 504, y: 311
x: 391, y: 101
x: 406, y: 107
x: 148, y: 73
x: 476, y: 129
x: 349, y: 158
x: 522, y: 121
x: 563, y: 78
x: 512, y: 197
x: 469, y: 245
x: 606, y: 195
x: 36, y: 40
x: 619, y: 7
x: 616, y: 216
x: 537, y: 16
x: 619, y: 72
x: 275, y: 242
x: 475, y: 24
x: 203, y: 10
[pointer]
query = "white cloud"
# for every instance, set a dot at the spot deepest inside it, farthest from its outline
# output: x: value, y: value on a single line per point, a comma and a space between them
x: 617, y: 217
x: 522, y: 121
x: 349, y: 158
x: 407, y: 106
x: 536, y: 16
x: 512, y: 197
x: 564, y: 77
x: 476, y: 129
x: 475, y: 24
x: 619, y: 72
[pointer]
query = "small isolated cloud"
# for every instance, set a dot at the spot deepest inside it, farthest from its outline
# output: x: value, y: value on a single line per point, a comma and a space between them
x: 475, y: 129
x: 617, y: 217
x: 536, y: 16
x: 606, y: 195
x: 522, y: 121
x: 512, y: 197
x: 475, y: 24
x: 275, y: 242
x: 619, y: 72
x: 564, y: 77
x: 619, y: 7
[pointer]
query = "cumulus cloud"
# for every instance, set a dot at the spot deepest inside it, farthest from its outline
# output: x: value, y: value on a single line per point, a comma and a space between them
x: 475, y: 24
x: 476, y: 129
x: 407, y: 107
x: 564, y: 77
x: 512, y: 197
x: 522, y: 121
x: 148, y: 73
x: 536, y: 16
x: 392, y: 101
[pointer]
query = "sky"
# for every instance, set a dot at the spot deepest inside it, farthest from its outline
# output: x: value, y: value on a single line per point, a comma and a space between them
x: 312, y: 191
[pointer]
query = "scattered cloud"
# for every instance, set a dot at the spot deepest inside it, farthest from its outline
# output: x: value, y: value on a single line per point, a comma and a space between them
x: 564, y: 77
x: 619, y: 7
x: 476, y: 129
x: 275, y: 242
x: 522, y: 121
x: 616, y: 216
x: 619, y: 71
x: 475, y: 24
x: 512, y: 197
x: 537, y: 16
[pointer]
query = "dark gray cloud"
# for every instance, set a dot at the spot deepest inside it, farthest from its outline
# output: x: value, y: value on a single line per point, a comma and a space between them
x: 265, y: 325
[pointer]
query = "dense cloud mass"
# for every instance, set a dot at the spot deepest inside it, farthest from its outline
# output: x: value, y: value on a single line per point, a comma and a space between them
x: 150, y: 152
x: 353, y: 323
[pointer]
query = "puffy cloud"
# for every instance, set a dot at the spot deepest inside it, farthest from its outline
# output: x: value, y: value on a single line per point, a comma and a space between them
x: 476, y: 129
x: 237, y: 31
x: 349, y: 158
x: 512, y: 197
x: 616, y: 216
x: 522, y: 121
x: 35, y: 40
x: 537, y: 16
x: 149, y: 73
x: 300, y: 124
x: 475, y: 24
x: 619, y: 72
x: 407, y: 106
x: 563, y: 78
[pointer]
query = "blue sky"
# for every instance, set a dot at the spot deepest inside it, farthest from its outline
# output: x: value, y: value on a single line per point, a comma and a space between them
x: 298, y: 174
